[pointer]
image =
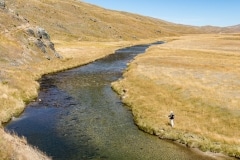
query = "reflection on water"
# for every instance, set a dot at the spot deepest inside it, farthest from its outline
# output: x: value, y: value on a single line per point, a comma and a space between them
x: 80, y: 117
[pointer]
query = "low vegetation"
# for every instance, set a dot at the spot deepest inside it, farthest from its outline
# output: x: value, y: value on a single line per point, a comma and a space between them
x: 197, y: 77
x: 13, y: 147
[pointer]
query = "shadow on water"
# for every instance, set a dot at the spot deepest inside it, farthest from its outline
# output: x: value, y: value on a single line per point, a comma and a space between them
x: 80, y: 117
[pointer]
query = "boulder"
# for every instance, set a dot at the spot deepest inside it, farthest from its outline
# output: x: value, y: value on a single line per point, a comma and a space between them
x: 42, y: 33
x: 41, y: 39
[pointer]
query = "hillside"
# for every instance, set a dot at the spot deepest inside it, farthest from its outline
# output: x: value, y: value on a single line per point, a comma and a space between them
x: 75, y: 20
x: 22, y: 42
x: 68, y: 21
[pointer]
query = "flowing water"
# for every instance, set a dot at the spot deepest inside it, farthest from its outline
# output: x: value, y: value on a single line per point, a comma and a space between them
x: 78, y: 116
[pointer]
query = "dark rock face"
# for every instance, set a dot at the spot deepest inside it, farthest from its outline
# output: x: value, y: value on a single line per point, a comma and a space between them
x: 41, y: 45
x: 42, y: 33
x: 2, y: 3
x: 51, y: 46
x: 38, y: 33
x: 41, y: 39
x: 30, y: 31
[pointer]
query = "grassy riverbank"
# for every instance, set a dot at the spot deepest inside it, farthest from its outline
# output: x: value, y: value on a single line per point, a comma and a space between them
x: 198, y: 78
x: 19, y: 86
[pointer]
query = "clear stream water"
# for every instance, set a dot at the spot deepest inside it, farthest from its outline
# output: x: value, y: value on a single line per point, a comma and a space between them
x: 79, y: 117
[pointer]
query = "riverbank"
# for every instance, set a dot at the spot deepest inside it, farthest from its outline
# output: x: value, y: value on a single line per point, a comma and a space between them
x: 19, y: 86
x: 197, y: 78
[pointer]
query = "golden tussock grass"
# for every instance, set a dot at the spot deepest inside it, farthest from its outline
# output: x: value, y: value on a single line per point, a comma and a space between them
x: 197, y: 77
x: 17, y: 148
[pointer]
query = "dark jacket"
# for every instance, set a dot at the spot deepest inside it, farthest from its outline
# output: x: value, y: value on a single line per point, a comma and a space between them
x: 171, y: 116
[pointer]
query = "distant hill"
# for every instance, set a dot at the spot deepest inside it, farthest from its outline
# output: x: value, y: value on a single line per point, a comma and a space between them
x: 233, y: 29
x: 214, y: 29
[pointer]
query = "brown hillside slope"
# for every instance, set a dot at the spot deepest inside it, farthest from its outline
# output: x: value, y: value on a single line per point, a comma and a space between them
x: 22, y: 42
x: 76, y: 20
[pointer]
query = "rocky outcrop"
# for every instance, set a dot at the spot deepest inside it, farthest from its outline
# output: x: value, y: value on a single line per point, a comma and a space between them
x: 25, y: 43
x: 42, y: 33
x: 42, y: 41
x: 2, y: 3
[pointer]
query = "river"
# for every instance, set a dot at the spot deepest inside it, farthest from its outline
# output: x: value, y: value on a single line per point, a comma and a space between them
x: 78, y: 116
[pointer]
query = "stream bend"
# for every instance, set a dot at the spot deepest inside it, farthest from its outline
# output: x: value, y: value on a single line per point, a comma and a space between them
x: 80, y: 117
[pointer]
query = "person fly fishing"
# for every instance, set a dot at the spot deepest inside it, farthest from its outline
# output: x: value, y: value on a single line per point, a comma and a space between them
x: 171, y: 117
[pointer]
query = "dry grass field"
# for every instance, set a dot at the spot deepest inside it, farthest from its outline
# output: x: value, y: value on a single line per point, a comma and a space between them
x: 17, y: 148
x: 197, y: 77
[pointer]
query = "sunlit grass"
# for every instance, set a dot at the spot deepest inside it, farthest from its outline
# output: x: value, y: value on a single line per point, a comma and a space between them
x: 197, y: 78
x: 15, y: 147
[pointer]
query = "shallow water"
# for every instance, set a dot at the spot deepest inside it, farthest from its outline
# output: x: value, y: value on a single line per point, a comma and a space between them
x: 80, y: 117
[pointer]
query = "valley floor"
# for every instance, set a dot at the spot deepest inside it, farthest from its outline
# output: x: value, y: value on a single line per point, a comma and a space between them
x: 196, y: 76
